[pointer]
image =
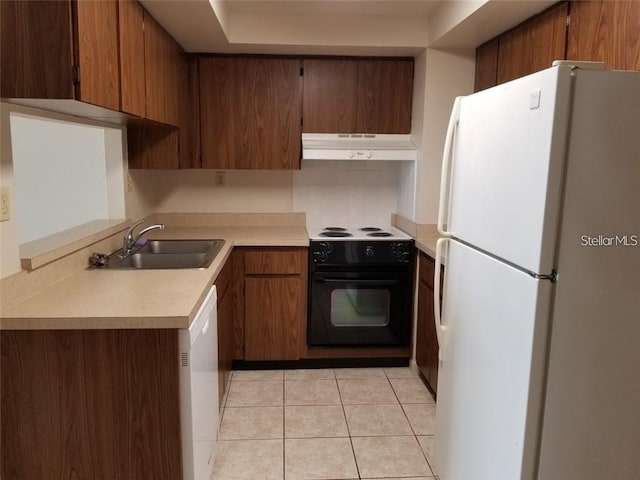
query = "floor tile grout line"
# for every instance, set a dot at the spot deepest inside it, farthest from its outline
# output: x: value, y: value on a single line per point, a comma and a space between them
x: 344, y: 413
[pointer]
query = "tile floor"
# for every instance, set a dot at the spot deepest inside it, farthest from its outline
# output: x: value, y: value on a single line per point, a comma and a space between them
x: 347, y: 423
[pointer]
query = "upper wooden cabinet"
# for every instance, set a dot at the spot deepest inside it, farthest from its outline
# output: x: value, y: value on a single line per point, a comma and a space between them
x: 534, y: 45
x: 162, y: 64
x: 607, y: 32
x: 601, y: 31
x: 60, y: 49
x: 357, y: 95
x: 132, y: 61
x: 486, y: 65
x: 250, y: 112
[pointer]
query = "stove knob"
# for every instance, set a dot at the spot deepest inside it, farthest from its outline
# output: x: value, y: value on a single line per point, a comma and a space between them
x: 368, y: 251
x: 327, y: 247
x: 320, y: 256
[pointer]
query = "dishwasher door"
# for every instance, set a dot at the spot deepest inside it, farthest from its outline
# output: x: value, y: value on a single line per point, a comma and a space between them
x: 199, y: 391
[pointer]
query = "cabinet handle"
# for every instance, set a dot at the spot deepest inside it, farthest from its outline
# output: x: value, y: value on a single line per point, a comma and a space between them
x: 445, y: 182
x: 440, y: 328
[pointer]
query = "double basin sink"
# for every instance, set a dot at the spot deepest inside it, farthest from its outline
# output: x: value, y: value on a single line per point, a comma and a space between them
x: 168, y: 254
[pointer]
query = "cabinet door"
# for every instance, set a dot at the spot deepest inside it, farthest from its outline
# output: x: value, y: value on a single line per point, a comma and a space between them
x: 250, y: 113
x: 132, y: 76
x: 97, y: 50
x: 225, y: 286
x: 41, y: 45
x: 36, y: 55
x: 607, y: 32
x: 534, y: 45
x: 385, y: 91
x: 486, y: 65
x: 160, y: 52
x: 426, y: 337
x: 330, y: 96
x: 273, y: 309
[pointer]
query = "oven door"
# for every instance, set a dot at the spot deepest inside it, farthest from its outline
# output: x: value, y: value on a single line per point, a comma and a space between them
x: 359, y: 308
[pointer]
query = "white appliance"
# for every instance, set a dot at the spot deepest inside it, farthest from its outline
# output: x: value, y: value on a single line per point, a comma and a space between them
x: 540, y: 328
x: 357, y: 146
x: 199, y: 415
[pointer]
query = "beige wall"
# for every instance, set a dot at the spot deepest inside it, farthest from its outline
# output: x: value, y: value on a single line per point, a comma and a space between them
x: 440, y: 77
x: 9, y: 256
x: 196, y: 190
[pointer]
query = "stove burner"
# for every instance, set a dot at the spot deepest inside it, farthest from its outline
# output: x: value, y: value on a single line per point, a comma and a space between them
x: 334, y: 233
x: 335, y: 229
x: 370, y: 229
x: 379, y: 234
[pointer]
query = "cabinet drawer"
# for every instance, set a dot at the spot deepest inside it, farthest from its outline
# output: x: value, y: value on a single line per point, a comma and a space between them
x: 272, y: 261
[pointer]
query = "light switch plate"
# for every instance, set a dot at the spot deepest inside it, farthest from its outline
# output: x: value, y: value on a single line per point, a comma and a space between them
x: 5, y: 205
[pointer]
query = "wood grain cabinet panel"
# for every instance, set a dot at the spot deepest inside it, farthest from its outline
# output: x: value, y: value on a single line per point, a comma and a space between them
x: 605, y: 31
x: 385, y: 94
x: 226, y: 297
x: 161, y: 80
x: 273, y: 306
x: 98, y: 59
x: 250, y: 112
x: 534, y: 45
x: 486, y: 65
x: 60, y: 49
x: 132, y: 75
x: 275, y: 286
x: 270, y: 261
x: 426, y: 337
x: 36, y: 53
x: 90, y: 404
x: 330, y: 96
x: 357, y: 95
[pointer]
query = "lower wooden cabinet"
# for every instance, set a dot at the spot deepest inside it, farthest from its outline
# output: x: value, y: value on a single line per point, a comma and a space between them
x: 90, y: 404
x: 226, y: 290
x: 426, y: 339
x: 275, y: 294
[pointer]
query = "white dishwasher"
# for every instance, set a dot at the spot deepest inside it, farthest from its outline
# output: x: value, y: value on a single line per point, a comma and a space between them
x: 199, y: 415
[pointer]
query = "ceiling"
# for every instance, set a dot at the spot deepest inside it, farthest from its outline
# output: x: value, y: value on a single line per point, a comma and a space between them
x: 334, y: 7
x: 337, y: 27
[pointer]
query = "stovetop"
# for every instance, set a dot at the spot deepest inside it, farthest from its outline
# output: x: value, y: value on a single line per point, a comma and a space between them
x: 350, y: 233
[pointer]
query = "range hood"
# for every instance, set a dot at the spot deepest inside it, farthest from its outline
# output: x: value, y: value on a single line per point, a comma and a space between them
x: 357, y: 146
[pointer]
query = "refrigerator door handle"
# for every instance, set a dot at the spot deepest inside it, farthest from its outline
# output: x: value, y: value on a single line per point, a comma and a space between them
x: 440, y: 328
x: 446, y: 161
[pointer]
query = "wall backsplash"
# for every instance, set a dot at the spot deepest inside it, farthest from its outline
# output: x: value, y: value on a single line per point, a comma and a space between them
x: 329, y: 192
x: 196, y: 190
x: 343, y: 192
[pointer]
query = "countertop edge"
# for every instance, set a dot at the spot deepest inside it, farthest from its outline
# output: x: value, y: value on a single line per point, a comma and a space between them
x: 108, y: 322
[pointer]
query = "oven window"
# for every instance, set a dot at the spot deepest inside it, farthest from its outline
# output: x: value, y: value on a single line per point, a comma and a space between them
x: 360, y: 307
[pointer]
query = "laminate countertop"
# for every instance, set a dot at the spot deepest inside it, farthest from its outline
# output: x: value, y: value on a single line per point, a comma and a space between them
x: 127, y: 299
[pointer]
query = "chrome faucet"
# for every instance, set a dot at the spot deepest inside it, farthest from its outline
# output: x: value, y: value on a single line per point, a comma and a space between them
x: 129, y: 240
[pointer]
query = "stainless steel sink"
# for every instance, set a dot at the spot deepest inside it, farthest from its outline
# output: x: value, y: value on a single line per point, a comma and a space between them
x: 168, y: 254
x: 179, y: 246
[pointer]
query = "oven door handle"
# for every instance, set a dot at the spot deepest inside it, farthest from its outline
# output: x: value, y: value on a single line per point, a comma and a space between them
x: 359, y: 281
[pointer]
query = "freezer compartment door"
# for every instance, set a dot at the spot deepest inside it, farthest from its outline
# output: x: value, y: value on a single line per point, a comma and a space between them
x: 491, y: 370
x: 506, y: 168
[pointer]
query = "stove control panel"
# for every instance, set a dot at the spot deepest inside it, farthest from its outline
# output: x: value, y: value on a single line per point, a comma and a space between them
x: 320, y: 251
x: 402, y: 251
x: 361, y: 252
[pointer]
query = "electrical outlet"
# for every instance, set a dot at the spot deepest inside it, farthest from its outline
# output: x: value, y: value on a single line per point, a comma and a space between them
x: 129, y: 183
x: 5, y: 206
x: 220, y: 178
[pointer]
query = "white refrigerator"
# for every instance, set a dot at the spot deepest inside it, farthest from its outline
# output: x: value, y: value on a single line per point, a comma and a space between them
x: 539, y: 332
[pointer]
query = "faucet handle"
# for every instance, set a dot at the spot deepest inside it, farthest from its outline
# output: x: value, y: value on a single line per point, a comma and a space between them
x: 129, y: 232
